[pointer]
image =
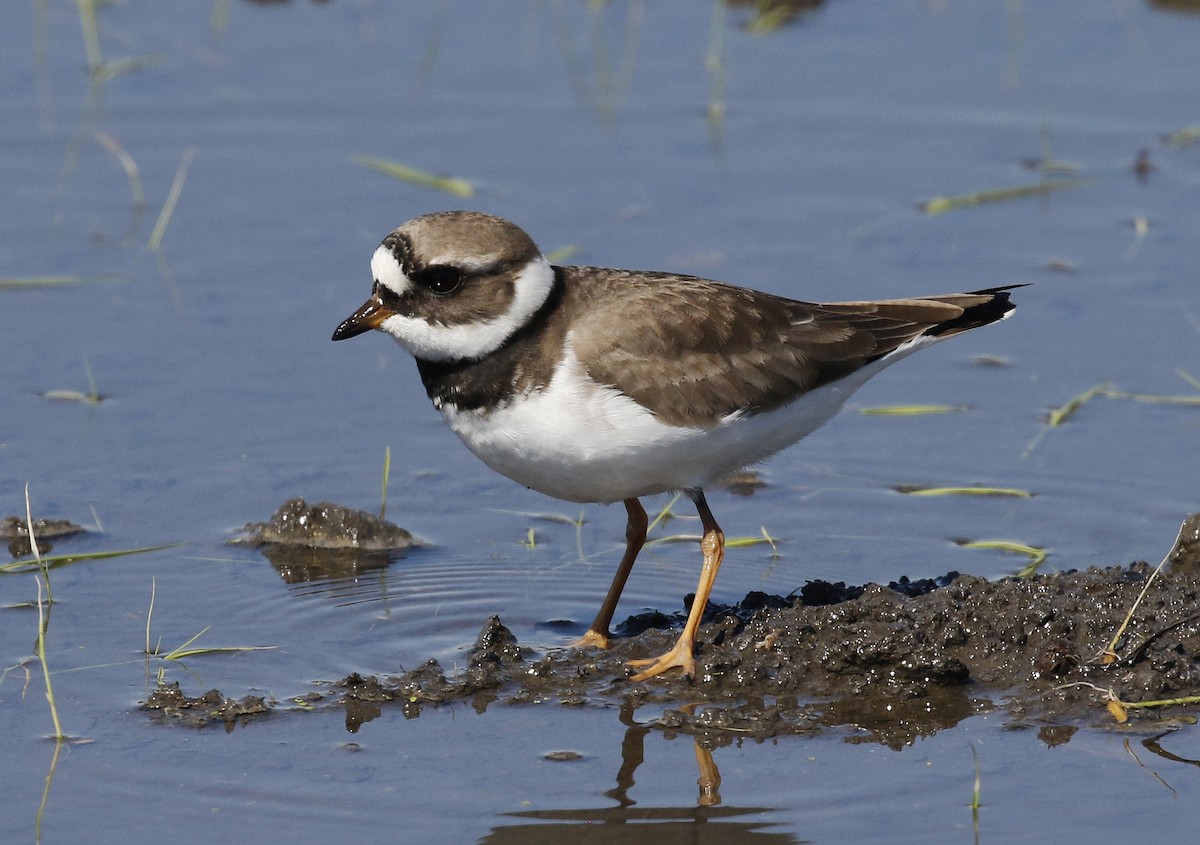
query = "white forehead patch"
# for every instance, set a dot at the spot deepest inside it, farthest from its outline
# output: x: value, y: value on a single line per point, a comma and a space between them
x: 435, y: 342
x: 385, y: 269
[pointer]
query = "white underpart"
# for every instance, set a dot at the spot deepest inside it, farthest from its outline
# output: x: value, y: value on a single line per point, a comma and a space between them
x: 437, y: 342
x: 585, y: 442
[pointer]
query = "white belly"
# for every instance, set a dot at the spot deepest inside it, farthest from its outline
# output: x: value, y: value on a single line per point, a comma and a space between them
x: 583, y: 442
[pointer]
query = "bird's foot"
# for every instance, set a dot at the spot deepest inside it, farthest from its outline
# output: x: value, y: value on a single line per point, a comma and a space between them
x: 679, y: 657
x: 592, y: 639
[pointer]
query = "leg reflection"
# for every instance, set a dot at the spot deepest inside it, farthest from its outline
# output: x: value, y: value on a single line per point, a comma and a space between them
x: 633, y: 753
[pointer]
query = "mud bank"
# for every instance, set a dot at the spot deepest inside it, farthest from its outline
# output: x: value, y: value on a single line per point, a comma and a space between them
x: 886, y: 663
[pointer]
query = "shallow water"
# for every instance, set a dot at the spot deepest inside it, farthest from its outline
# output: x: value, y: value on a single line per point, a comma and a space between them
x: 222, y: 395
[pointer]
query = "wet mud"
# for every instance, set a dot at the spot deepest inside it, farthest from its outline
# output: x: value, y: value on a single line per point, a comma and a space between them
x: 883, y: 663
x: 310, y: 542
x: 14, y: 530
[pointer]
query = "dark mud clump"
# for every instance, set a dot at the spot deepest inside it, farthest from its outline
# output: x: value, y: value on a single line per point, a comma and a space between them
x: 309, y: 542
x: 493, y: 661
x: 169, y: 702
x: 888, y: 663
x: 15, y: 530
x: 325, y: 526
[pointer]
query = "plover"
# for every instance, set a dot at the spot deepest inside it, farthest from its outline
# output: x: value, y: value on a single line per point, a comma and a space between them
x: 592, y: 384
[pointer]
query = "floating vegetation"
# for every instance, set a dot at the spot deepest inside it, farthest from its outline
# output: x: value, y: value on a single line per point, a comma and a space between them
x: 964, y: 491
x: 912, y: 410
x: 55, y: 561
x: 772, y: 15
x: 92, y: 397
x: 55, y: 281
x: 754, y: 541
x: 1183, y: 137
x: 447, y: 184
x: 940, y: 205
x: 1193, y: 401
x: 561, y: 254
x: 1037, y: 556
x: 730, y: 542
x: 72, y: 396
x: 184, y: 650
x: 1064, y: 412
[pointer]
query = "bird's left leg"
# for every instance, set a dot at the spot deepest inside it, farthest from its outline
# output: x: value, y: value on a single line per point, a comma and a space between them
x: 681, y: 654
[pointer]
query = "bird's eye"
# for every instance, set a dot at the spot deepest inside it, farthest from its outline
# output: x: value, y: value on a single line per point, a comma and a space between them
x: 440, y: 279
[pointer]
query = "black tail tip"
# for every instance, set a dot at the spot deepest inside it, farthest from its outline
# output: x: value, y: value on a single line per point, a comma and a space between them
x: 996, y: 306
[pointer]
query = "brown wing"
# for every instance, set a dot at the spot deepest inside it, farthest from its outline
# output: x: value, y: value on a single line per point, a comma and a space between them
x: 694, y: 351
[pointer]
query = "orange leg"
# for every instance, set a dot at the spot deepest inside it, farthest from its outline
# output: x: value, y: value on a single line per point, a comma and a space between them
x: 680, y: 656
x: 635, y: 536
x: 710, y: 777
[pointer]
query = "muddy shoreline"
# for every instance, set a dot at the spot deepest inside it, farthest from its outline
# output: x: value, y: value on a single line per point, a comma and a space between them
x: 886, y: 664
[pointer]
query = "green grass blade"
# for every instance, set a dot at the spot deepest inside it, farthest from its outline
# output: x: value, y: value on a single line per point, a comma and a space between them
x: 1036, y: 556
x: 911, y: 410
x: 1064, y: 412
x: 730, y: 542
x: 663, y: 514
x: 387, y: 470
x: 185, y: 652
x: 181, y: 652
x: 1189, y: 378
x: 127, y: 164
x: 168, y: 209
x: 561, y: 254
x: 1183, y: 137
x: 1154, y: 399
x: 54, y: 281
x: 966, y: 491
x: 446, y: 184
x: 54, y: 561
x: 940, y: 205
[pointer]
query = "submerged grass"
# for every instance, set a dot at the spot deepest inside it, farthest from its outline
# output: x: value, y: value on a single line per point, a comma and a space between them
x: 447, y: 184
x: 98, y: 69
x: 128, y: 165
x: 168, y: 209
x: 1064, y: 412
x: 55, y: 281
x: 942, y: 204
x: 1183, y: 137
